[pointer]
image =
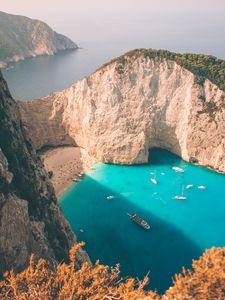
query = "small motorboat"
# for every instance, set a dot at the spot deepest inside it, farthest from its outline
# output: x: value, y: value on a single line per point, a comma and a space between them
x: 189, y: 186
x: 177, y: 169
x: 74, y: 179
x: 153, y: 180
x: 110, y: 197
x: 138, y: 220
x: 202, y: 187
x: 181, y: 197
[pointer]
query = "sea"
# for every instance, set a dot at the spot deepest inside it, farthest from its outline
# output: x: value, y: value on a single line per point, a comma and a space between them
x: 180, y: 230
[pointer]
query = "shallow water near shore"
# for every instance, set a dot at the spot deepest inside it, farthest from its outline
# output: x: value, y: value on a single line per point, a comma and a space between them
x: 180, y: 230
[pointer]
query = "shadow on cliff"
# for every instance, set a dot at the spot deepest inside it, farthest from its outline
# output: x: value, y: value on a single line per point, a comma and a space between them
x: 112, y: 237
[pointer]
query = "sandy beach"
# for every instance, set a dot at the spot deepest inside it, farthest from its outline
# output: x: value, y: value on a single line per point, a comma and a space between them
x: 66, y: 163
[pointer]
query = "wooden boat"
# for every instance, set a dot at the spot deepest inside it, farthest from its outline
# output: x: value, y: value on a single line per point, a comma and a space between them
x: 177, y: 169
x: 138, y: 220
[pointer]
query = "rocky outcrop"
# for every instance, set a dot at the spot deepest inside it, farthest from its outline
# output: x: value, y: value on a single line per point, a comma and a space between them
x: 30, y: 219
x: 21, y: 37
x: 131, y: 105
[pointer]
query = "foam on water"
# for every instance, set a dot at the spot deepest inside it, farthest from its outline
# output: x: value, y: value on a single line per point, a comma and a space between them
x: 180, y: 230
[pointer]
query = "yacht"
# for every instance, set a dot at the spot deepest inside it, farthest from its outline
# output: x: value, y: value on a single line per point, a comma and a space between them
x: 181, y: 197
x: 153, y: 180
x: 138, y: 220
x: 110, y: 197
x: 201, y: 187
x: 177, y: 169
x: 189, y: 186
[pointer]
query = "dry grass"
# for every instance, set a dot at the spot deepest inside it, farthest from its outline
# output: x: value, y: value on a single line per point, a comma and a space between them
x: 95, y: 282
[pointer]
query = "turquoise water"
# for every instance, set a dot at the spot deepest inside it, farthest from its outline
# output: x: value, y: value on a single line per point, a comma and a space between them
x: 180, y: 230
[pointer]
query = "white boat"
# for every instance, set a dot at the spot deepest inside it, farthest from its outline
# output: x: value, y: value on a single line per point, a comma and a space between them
x: 181, y: 197
x: 202, y: 187
x: 153, y: 180
x: 163, y: 174
x: 177, y: 169
x: 110, y: 197
x: 189, y: 186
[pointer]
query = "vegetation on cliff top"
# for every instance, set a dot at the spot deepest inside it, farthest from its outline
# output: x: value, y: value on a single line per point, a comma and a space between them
x: 203, y: 66
x: 95, y: 282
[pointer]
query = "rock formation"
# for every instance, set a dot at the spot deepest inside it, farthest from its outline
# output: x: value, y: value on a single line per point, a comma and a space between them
x: 21, y: 37
x: 30, y: 219
x: 130, y: 105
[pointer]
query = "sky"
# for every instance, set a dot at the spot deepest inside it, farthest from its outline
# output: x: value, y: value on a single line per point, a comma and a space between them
x: 189, y: 25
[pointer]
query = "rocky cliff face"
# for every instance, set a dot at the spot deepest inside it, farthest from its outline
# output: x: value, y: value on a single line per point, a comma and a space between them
x: 21, y: 37
x: 131, y: 105
x: 30, y: 219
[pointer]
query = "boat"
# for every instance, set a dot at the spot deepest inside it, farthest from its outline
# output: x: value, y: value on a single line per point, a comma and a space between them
x: 110, y: 197
x: 189, y: 186
x: 163, y: 174
x: 153, y: 180
x: 202, y: 187
x: 74, y: 179
x: 138, y: 220
x: 177, y: 169
x: 181, y: 197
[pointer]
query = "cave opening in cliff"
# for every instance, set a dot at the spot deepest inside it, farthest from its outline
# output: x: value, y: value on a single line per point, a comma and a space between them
x: 160, y: 156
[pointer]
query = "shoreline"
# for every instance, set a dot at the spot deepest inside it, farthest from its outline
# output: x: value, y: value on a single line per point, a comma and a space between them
x: 66, y: 163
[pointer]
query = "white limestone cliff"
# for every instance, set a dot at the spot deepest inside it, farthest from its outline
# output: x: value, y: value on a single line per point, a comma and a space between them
x: 125, y: 108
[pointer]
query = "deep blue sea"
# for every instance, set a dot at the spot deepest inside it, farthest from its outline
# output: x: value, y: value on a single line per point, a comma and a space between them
x: 180, y: 230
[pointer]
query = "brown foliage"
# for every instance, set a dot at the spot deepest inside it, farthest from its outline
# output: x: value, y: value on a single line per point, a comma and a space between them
x: 205, y: 282
x: 95, y: 282
x: 90, y: 282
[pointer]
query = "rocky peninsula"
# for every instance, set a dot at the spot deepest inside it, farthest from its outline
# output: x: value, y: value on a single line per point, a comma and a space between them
x: 22, y: 37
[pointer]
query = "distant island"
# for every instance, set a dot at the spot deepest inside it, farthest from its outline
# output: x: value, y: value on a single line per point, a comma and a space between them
x: 22, y: 37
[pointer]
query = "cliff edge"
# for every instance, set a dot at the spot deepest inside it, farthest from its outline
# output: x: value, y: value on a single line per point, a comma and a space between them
x: 134, y: 103
x: 30, y: 219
